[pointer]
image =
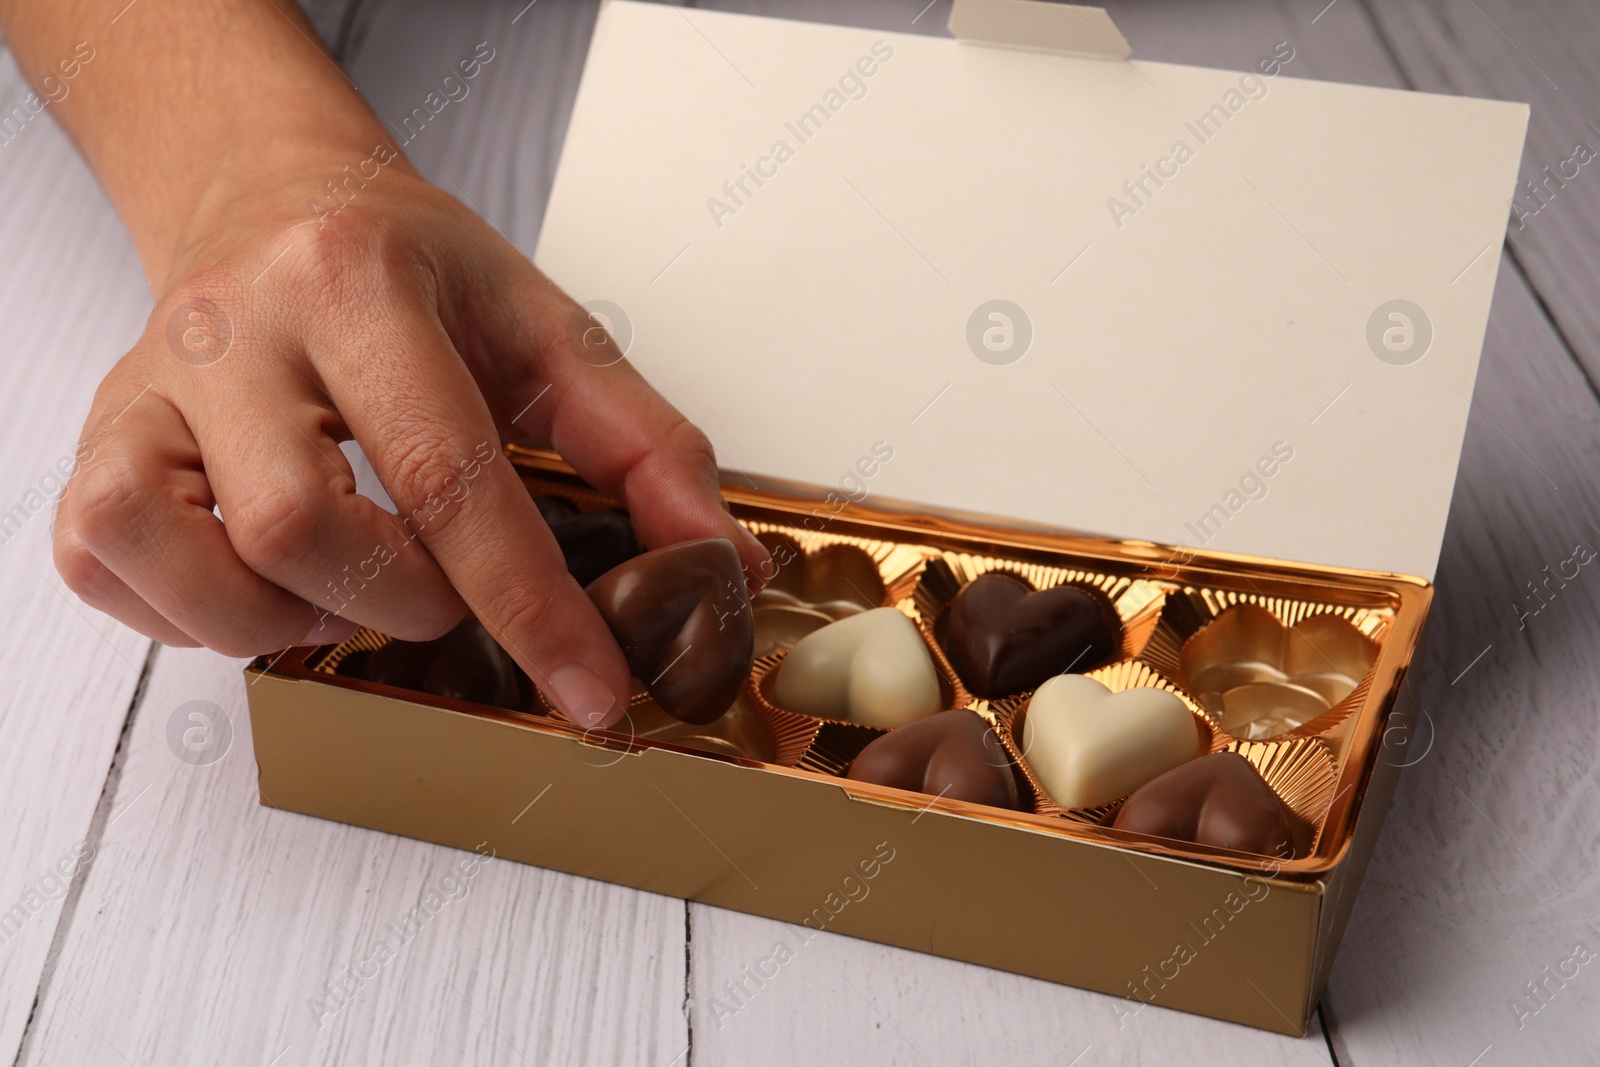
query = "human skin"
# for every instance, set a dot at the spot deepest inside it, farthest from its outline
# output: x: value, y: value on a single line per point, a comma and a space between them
x: 401, y: 320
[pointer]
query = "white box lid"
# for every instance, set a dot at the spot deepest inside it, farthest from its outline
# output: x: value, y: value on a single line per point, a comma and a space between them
x: 1221, y: 319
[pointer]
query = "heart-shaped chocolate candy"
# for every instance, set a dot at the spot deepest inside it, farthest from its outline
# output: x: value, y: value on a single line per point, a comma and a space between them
x: 1089, y: 746
x: 1003, y: 637
x: 682, y: 617
x: 1263, y: 679
x: 871, y: 668
x: 465, y: 664
x: 806, y: 592
x: 592, y: 542
x: 1216, y: 800
x: 739, y: 731
x: 952, y: 754
x: 837, y: 580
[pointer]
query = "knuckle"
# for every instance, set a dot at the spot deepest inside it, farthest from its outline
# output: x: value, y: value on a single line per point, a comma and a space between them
x: 275, y: 529
x: 530, y: 608
x: 245, y: 645
x: 344, y: 260
x: 435, y: 624
x: 327, y: 265
x: 260, y: 634
x: 83, y: 572
x: 106, y: 500
x: 424, y: 481
x: 692, y: 442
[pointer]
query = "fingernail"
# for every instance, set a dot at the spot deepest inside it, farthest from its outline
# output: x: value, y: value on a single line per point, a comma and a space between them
x: 329, y: 630
x: 753, y: 577
x: 583, y: 697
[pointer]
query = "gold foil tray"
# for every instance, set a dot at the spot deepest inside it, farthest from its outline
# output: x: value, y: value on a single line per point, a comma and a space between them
x: 1126, y: 674
x: 1179, y: 635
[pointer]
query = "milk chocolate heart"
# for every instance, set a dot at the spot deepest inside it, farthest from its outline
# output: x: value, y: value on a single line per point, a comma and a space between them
x: 952, y: 754
x: 1216, y: 800
x: 592, y: 542
x: 682, y: 617
x: 1089, y: 746
x: 1263, y: 679
x: 1003, y: 637
x: 870, y: 668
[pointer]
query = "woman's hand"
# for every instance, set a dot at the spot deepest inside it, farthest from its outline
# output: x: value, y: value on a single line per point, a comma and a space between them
x: 311, y: 288
x: 395, y: 316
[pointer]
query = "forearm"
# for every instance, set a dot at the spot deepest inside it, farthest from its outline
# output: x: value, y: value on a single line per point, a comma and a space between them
x: 183, y: 106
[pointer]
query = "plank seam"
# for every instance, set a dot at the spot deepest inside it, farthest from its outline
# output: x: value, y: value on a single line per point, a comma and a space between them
x: 341, y: 38
x: 1327, y: 1035
x: 97, y: 827
x: 1567, y: 348
x: 1509, y: 242
x: 688, y: 980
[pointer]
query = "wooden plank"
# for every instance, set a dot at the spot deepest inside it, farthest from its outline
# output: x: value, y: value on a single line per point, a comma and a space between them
x: 1542, y: 54
x: 210, y: 928
x: 178, y: 952
x: 71, y: 301
x: 1401, y: 1011
x: 1456, y: 915
x: 1389, y: 1009
x: 497, y: 147
x: 834, y: 999
x: 69, y: 307
x: 1485, y: 875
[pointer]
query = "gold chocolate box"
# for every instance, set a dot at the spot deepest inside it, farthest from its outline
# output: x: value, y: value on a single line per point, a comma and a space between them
x: 752, y: 813
x: 1067, y: 291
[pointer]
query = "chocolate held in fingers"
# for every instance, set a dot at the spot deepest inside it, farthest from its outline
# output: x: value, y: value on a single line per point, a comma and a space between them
x: 952, y: 754
x: 682, y: 617
x: 1004, y: 638
x: 1216, y: 800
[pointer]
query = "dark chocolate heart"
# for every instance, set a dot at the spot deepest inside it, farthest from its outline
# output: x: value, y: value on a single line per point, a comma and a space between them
x: 1216, y: 800
x: 682, y: 617
x: 470, y: 665
x: 952, y: 754
x: 465, y: 664
x: 592, y: 542
x: 555, y: 509
x: 1003, y: 638
x: 402, y: 664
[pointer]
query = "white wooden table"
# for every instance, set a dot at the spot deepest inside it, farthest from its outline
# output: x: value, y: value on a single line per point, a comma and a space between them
x: 198, y: 927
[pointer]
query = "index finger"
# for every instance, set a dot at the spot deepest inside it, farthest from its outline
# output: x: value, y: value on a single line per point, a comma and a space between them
x: 622, y: 436
x: 409, y: 400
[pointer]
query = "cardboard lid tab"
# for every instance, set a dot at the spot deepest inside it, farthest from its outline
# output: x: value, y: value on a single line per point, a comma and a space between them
x: 1239, y: 311
x: 1066, y: 28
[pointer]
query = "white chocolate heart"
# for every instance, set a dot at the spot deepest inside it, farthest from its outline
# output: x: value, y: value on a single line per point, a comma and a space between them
x: 870, y: 668
x: 1089, y: 746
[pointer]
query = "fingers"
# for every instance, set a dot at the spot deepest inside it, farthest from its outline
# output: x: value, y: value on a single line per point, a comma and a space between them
x: 423, y: 422
x: 615, y: 430
x: 98, y: 587
x: 142, y: 509
x: 289, y: 504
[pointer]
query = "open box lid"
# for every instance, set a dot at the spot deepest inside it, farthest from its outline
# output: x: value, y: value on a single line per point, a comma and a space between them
x: 1139, y: 300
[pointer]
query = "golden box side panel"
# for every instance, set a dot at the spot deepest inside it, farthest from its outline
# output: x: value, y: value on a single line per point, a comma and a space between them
x: 800, y: 849
x: 1392, y: 756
